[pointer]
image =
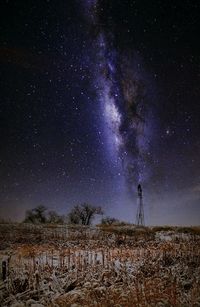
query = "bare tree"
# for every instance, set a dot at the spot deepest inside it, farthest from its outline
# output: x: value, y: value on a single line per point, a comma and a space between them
x: 36, y: 215
x: 109, y: 220
x: 83, y: 214
x: 55, y: 218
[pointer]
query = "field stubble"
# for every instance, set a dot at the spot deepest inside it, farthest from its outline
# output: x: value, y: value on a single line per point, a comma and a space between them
x: 92, y: 266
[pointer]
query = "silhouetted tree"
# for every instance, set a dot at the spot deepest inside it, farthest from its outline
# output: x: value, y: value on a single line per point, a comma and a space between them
x: 36, y: 215
x: 55, y: 218
x: 83, y: 214
x: 109, y: 220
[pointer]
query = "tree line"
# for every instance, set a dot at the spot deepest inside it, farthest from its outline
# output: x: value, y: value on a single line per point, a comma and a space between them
x: 82, y: 214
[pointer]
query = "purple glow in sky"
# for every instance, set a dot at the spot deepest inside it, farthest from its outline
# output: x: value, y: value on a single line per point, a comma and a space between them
x: 121, y: 88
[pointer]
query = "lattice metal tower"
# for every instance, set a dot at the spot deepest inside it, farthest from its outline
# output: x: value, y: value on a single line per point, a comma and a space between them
x: 140, y: 210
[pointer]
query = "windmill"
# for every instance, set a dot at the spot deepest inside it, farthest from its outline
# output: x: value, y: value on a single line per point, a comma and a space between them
x: 140, y: 210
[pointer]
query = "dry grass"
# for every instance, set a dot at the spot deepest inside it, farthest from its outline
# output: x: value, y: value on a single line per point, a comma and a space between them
x: 110, y: 266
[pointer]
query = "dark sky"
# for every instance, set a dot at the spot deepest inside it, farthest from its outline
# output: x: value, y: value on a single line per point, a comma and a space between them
x: 96, y: 97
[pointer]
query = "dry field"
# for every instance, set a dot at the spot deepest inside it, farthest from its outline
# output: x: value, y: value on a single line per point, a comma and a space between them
x: 111, y: 266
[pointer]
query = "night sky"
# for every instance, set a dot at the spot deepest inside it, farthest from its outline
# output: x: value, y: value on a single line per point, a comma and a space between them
x: 96, y: 97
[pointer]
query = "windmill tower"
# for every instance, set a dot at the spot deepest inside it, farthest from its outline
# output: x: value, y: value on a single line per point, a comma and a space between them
x: 140, y: 210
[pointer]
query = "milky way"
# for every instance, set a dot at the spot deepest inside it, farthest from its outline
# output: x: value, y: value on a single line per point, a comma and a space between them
x: 123, y: 93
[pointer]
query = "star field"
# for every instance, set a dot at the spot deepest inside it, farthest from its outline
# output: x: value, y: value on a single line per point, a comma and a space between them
x: 97, y: 96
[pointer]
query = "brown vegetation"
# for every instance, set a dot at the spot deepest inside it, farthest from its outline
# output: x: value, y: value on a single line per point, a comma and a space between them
x: 104, y: 266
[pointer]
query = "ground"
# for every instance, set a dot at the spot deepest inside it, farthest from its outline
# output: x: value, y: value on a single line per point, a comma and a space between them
x: 125, y: 266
